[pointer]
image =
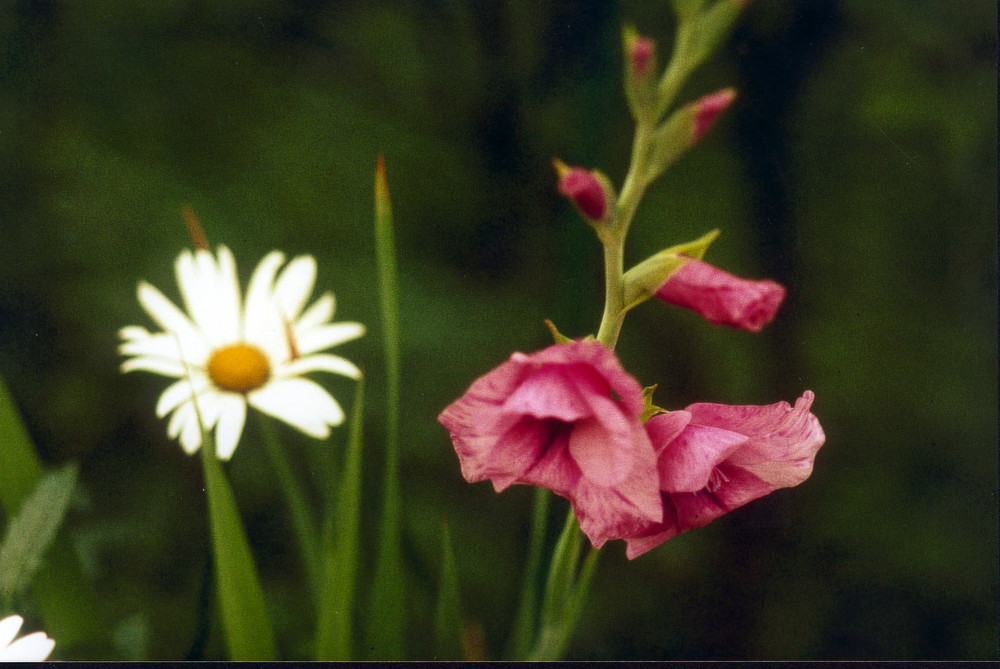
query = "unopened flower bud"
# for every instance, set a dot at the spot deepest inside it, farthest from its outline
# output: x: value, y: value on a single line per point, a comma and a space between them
x: 720, y: 297
x: 685, y: 127
x: 640, y: 66
x: 641, y: 53
x: 589, y: 191
x: 708, y: 108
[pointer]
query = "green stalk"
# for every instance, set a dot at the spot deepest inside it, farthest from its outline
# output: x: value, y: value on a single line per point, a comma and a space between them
x: 302, y: 517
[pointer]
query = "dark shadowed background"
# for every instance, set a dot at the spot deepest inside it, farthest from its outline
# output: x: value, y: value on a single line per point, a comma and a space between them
x: 857, y: 167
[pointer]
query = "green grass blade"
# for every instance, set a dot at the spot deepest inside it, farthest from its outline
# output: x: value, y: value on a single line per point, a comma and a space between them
x: 248, y: 631
x: 341, y: 527
x: 525, y: 621
x: 448, y: 615
x: 31, y: 531
x: 386, y: 619
x: 63, y: 594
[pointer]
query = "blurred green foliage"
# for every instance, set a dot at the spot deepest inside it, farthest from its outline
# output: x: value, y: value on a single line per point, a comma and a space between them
x: 858, y: 167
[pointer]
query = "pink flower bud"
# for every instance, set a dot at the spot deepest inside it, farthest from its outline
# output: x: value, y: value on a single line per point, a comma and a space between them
x: 641, y: 52
x: 584, y: 189
x: 722, y: 298
x: 708, y: 108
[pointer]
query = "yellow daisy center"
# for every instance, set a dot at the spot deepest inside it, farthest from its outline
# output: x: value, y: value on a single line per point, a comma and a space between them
x: 239, y: 368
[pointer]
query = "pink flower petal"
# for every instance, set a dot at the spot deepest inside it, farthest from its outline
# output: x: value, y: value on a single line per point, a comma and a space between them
x: 687, y: 463
x: 723, y: 458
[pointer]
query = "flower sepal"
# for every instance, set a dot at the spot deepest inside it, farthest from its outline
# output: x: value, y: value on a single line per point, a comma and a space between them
x: 649, y: 409
x: 559, y: 337
x: 642, y: 281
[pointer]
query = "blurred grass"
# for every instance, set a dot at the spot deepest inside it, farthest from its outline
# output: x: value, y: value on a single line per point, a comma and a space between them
x: 858, y: 166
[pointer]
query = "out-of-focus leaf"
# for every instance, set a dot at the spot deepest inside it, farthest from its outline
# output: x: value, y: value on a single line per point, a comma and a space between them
x: 31, y: 531
x: 20, y: 470
x: 64, y: 597
x: 448, y: 616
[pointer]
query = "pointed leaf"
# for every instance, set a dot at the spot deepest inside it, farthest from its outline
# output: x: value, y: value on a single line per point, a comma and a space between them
x: 386, y: 615
x: 339, y: 556
x: 448, y: 617
x: 245, y: 621
x: 31, y: 531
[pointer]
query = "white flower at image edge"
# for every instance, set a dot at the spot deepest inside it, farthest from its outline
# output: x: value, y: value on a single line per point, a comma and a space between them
x: 33, y: 647
x: 227, y: 355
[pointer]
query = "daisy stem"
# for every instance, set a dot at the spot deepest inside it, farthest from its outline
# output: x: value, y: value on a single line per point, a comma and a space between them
x: 302, y: 517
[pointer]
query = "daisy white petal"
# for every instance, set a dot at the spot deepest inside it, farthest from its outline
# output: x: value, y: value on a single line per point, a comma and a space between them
x: 172, y: 319
x: 300, y: 403
x: 9, y: 627
x: 232, y: 415
x: 294, y: 286
x: 320, y: 362
x: 320, y: 312
x: 179, y: 392
x: 258, y: 308
x: 324, y: 336
x: 34, y: 647
x: 155, y: 365
x: 130, y: 332
x: 157, y: 346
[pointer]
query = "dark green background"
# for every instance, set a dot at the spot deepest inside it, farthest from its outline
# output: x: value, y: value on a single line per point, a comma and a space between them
x: 857, y: 167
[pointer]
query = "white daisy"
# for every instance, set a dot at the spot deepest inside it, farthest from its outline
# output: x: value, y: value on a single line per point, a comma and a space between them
x: 227, y: 355
x: 33, y: 647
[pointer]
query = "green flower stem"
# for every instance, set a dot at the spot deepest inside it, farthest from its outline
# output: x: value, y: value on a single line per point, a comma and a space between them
x: 302, y: 517
x: 613, y: 236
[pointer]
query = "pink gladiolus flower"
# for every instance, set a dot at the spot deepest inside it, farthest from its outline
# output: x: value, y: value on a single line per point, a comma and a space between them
x: 722, y: 298
x: 713, y: 458
x: 566, y: 418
